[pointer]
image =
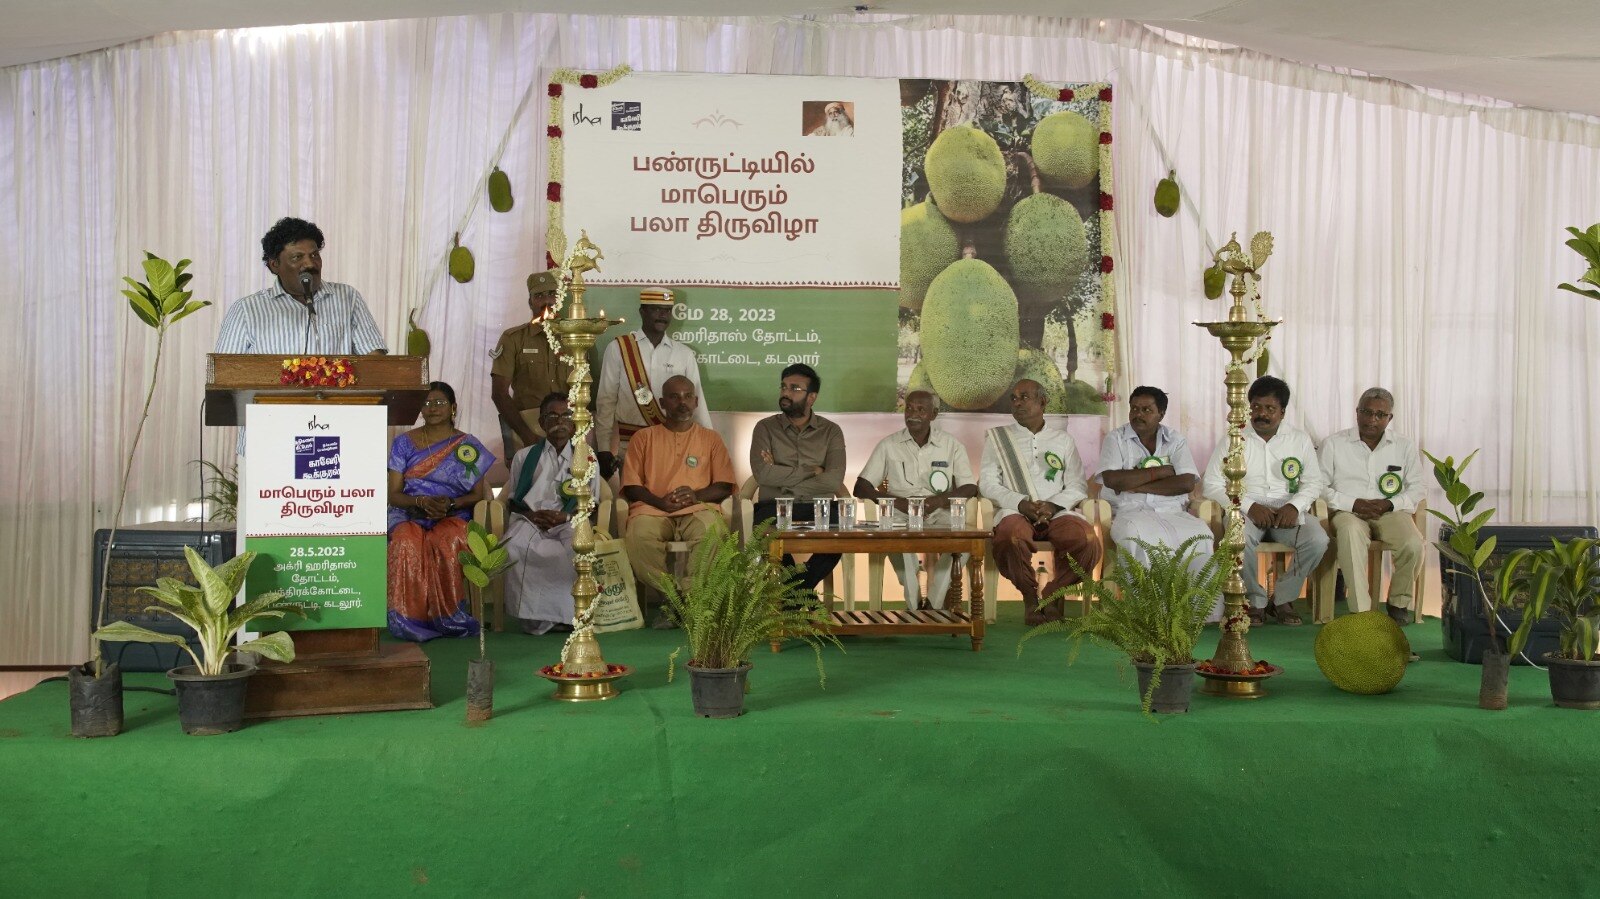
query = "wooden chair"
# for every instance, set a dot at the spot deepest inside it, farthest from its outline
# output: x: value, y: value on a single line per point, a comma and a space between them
x: 493, y: 514
x: 1097, y: 511
x: 1321, y: 600
x: 1328, y: 572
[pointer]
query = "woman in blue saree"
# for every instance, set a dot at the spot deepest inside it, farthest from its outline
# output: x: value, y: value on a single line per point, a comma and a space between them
x: 435, y: 478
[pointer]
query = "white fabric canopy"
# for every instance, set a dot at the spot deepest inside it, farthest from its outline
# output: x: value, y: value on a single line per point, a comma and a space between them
x: 1419, y: 238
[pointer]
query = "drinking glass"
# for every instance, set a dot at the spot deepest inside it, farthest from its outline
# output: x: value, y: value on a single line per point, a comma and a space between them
x: 886, y: 513
x: 785, y: 513
x: 958, y: 514
x: 820, y: 507
x: 914, y: 513
x: 847, y: 513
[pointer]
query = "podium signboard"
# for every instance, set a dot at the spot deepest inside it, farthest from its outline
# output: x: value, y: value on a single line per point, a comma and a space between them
x: 315, y: 508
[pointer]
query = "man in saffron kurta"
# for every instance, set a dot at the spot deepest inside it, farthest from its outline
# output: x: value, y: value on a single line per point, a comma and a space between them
x: 673, y: 477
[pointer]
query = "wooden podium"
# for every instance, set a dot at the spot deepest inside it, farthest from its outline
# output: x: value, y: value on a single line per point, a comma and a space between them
x: 338, y: 670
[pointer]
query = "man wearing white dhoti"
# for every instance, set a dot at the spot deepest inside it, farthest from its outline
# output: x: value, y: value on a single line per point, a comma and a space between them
x: 539, y: 534
x: 1146, y: 473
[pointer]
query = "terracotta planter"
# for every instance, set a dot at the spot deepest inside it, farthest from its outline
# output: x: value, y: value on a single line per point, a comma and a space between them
x: 1574, y: 684
x: 1172, y: 693
x: 718, y: 692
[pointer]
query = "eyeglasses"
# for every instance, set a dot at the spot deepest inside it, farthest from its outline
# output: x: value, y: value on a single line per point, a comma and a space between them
x: 794, y: 388
x: 435, y: 403
x: 1264, y: 408
x: 554, y: 416
x: 1374, y: 414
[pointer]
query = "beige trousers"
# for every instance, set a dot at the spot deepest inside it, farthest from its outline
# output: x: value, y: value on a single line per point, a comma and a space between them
x: 1352, y: 535
x: 647, y: 537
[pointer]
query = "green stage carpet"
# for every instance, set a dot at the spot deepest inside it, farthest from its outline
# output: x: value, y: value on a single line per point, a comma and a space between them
x: 923, y: 769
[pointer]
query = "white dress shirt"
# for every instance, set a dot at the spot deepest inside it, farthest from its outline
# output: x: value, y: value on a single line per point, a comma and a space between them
x: 614, y: 401
x: 1353, y: 469
x: 1122, y: 449
x: 271, y: 321
x: 1066, y: 490
x: 911, y: 469
x: 545, y: 491
x: 1264, y: 482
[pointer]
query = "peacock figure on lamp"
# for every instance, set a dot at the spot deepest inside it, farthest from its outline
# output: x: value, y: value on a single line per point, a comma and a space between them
x: 583, y: 673
x: 1232, y: 671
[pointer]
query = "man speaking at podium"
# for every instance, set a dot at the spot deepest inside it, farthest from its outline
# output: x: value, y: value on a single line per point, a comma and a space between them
x: 300, y: 314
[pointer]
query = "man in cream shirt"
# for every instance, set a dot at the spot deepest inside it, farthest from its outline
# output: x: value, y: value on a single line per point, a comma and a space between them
x: 1034, y: 476
x: 1282, y: 480
x: 1375, y: 483
x: 920, y: 460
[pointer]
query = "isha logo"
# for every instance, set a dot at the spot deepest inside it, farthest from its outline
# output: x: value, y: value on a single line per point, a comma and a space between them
x: 316, y: 458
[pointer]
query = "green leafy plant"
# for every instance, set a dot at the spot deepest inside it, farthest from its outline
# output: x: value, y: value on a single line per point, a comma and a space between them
x: 160, y: 302
x: 222, y: 492
x: 208, y: 608
x: 1463, y: 548
x: 1154, y: 611
x: 1587, y: 245
x: 1564, y: 579
x: 482, y: 561
x: 738, y: 598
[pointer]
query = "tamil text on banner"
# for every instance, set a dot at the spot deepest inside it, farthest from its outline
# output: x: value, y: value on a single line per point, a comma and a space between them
x: 315, y: 509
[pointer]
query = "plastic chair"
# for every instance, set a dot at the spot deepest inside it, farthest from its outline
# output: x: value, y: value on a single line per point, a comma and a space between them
x: 678, y: 551
x: 1328, y: 572
x: 1321, y: 600
x: 1098, y: 513
x: 749, y: 493
x: 493, y: 514
x: 877, y: 562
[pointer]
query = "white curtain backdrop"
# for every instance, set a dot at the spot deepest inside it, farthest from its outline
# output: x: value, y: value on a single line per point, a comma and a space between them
x: 1419, y: 236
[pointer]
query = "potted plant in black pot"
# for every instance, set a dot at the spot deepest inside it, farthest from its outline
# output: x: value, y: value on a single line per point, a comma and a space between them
x: 482, y: 561
x: 1154, y: 612
x: 211, y: 691
x: 160, y: 301
x: 1564, y: 580
x: 737, y: 599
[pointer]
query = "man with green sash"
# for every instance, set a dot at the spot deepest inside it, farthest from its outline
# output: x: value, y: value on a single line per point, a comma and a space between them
x: 1032, y: 473
x: 1282, y: 479
x: 1375, y: 482
x: 539, y: 533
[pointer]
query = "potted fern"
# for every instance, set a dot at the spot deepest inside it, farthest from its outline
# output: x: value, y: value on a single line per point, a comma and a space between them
x: 1564, y: 580
x: 737, y: 599
x: 1154, y: 612
x: 211, y: 691
x: 482, y: 561
x: 160, y: 301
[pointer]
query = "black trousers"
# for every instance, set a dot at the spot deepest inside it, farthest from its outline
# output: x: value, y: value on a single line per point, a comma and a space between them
x: 820, y: 565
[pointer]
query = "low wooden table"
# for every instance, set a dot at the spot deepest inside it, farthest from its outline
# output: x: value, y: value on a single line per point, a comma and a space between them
x: 891, y: 542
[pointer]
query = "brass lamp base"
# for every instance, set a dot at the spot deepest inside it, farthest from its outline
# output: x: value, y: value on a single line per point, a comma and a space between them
x: 1237, y: 686
x: 597, y: 688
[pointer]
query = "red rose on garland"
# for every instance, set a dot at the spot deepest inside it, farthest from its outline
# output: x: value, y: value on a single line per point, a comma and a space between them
x: 552, y: 191
x: 1105, y: 202
x: 588, y: 81
x: 1108, y: 321
x: 553, y: 132
x: 1105, y: 265
x: 549, y: 260
x: 553, y: 90
x: 1066, y: 95
x: 1105, y: 137
x: 1105, y: 95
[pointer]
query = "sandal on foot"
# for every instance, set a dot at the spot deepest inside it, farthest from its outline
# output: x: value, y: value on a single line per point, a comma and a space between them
x: 1285, y: 614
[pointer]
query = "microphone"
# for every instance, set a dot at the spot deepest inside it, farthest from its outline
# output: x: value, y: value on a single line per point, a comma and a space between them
x: 311, y: 309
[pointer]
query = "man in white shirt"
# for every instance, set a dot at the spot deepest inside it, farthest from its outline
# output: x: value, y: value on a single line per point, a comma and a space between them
x: 1375, y: 483
x: 1034, y: 476
x: 920, y: 460
x: 538, y: 588
x: 1282, y: 479
x: 632, y: 372
x: 1146, y: 473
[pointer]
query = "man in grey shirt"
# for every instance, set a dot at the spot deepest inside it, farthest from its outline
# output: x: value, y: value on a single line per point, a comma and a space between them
x: 798, y: 454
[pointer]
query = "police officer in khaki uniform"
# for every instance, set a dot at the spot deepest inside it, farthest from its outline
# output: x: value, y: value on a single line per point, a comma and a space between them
x: 526, y: 369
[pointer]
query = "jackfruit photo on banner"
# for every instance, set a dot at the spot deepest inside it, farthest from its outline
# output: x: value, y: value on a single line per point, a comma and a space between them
x: 1000, y: 245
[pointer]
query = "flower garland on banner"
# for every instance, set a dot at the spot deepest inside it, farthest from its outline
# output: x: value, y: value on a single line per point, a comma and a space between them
x: 1107, y: 341
x: 555, y: 234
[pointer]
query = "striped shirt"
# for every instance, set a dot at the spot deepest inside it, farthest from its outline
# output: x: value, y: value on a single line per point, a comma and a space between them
x: 270, y: 321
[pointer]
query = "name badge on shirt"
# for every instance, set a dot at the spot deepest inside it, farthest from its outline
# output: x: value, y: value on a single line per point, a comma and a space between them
x: 1390, y: 484
x: 1291, y: 469
x: 939, y: 481
x: 692, y: 462
x: 533, y: 350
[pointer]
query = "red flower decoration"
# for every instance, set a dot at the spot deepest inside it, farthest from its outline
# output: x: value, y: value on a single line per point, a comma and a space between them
x: 552, y: 191
x: 553, y: 90
x: 1105, y: 264
x: 549, y: 260
x: 1108, y: 321
x: 1105, y: 137
x: 1065, y: 95
x: 1105, y: 201
x: 553, y: 132
x: 1105, y: 95
x: 588, y: 81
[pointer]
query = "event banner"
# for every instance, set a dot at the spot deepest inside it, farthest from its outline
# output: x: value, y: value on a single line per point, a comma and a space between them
x: 315, y: 507
x: 893, y: 234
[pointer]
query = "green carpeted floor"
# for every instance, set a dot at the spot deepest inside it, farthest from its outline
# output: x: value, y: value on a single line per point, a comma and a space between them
x: 922, y: 769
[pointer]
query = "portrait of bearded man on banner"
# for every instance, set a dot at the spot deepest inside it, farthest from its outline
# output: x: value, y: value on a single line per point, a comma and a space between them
x: 838, y: 119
